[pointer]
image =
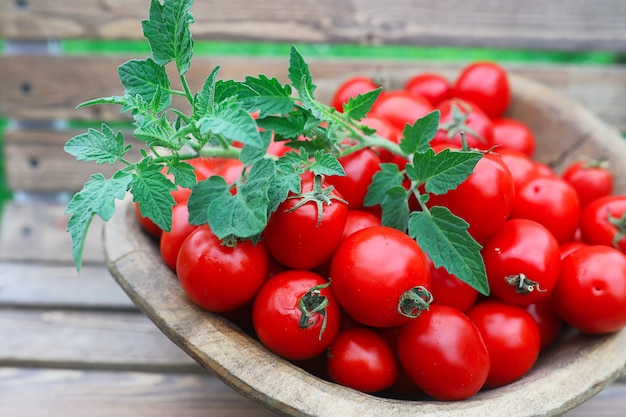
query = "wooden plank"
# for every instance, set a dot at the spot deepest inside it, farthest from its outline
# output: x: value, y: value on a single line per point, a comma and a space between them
x: 44, y: 286
x: 35, y: 232
x: 77, y: 393
x: 88, y: 340
x: 56, y: 84
x: 596, y: 25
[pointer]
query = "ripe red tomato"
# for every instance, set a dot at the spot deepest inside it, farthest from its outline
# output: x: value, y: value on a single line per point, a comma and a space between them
x: 590, y: 179
x: 484, y: 199
x: 171, y: 241
x: 522, y: 261
x: 448, y: 290
x: 433, y: 86
x: 352, y: 87
x: 371, y: 271
x: 603, y: 222
x: 360, y: 167
x: 512, y: 338
x: 513, y: 134
x: 295, y: 234
x: 218, y: 277
x: 549, y: 322
x: 359, y: 219
x: 591, y: 292
x: 289, y: 316
x: 147, y: 224
x: 522, y: 168
x: 487, y: 85
x: 461, y: 115
x: 400, y: 108
x: 360, y: 358
x: 550, y: 201
x: 444, y: 354
x: 571, y: 246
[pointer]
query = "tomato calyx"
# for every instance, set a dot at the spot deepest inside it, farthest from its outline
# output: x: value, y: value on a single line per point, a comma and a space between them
x: 318, y: 195
x: 414, y: 301
x: 523, y: 285
x: 458, y: 123
x: 313, y: 302
x: 620, y: 224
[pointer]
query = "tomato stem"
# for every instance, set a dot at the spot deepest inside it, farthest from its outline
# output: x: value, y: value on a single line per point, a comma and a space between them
x: 523, y: 285
x: 313, y: 302
x: 319, y: 196
x: 414, y: 301
x: 620, y: 224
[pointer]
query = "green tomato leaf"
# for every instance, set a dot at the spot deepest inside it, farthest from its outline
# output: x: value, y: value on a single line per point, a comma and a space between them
x: 106, y: 147
x: 251, y: 154
x: 167, y: 31
x: 444, y: 237
x: 233, y: 122
x: 388, y: 177
x: 287, y: 179
x: 271, y: 97
x: 395, y: 208
x: 326, y: 164
x: 201, y: 197
x: 184, y: 174
x: 147, y: 79
x: 443, y: 171
x: 205, y: 99
x: 417, y: 137
x: 286, y: 128
x: 153, y: 191
x: 357, y: 107
x: 244, y: 214
x: 299, y: 73
x: 97, y: 197
x: 157, y: 131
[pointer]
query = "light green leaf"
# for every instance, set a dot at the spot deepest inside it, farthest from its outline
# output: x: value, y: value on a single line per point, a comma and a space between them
x: 326, y: 164
x: 184, y: 174
x: 443, y: 171
x: 147, y: 79
x: 357, y: 107
x: 444, y: 237
x: 233, y: 122
x: 417, y: 137
x: 103, y: 147
x: 201, y: 197
x: 153, y: 191
x: 270, y: 96
x: 388, y: 177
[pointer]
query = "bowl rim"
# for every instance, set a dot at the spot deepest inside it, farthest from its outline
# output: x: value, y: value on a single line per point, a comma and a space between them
x: 562, y: 379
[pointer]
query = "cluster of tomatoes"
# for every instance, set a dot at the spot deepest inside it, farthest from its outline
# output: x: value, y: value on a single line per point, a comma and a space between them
x: 553, y: 248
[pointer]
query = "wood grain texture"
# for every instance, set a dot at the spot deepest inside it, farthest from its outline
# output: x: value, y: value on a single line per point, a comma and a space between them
x: 87, y: 340
x: 579, y: 25
x: 564, y: 377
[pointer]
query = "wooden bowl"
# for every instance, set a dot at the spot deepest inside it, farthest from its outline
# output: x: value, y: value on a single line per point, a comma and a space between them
x: 571, y: 372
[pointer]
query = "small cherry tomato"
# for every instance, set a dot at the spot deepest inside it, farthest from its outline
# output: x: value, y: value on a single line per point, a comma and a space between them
x: 512, y: 338
x: 147, y: 224
x: 378, y: 271
x: 603, y: 222
x: 463, y: 116
x: 360, y: 167
x: 522, y: 261
x: 400, y: 108
x: 296, y: 315
x: 449, y: 290
x: 513, y: 134
x: 444, y: 354
x: 487, y: 85
x: 549, y: 322
x: 590, y: 179
x: 171, y: 241
x: 359, y: 219
x: 591, y: 292
x: 361, y: 359
x: 434, y: 87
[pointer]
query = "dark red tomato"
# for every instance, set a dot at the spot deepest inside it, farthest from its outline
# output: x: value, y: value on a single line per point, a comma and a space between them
x: 448, y: 290
x: 484, y: 199
x: 461, y: 115
x: 548, y: 320
x: 360, y: 358
x: 522, y: 168
x: 360, y: 167
x: 487, y: 85
x: 590, y: 179
x: 512, y: 338
x: 359, y: 219
x: 400, y: 108
x: 591, y: 292
x: 289, y: 316
x: 522, y: 261
x: 218, y: 277
x: 147, y: 224
x: 603, y: 222
x: 550, y: 201
x: 295, y: 234
x: 571, y: 246
x: 352, y: 87
x: 386, y: 130
x: 172, y: 241
x: 373, y: 269
x: 434, y: 87
x: 444, y: 353
x: 513, y: 134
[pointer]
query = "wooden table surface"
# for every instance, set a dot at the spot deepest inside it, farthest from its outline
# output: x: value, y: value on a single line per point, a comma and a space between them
x: 74, y: 345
